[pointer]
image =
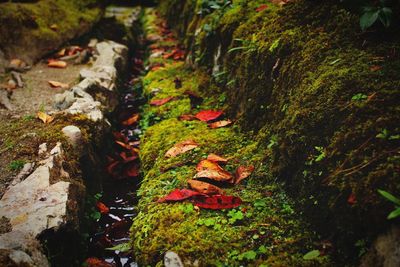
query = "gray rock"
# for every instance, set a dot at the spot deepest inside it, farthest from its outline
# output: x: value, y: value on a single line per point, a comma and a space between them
x: 73, y: 134
x: 22, y: 249
x: 26, y: 170
x: 35, y: 205
x: 42, y: 150
x: 171, y: 259
x: 87, y: 107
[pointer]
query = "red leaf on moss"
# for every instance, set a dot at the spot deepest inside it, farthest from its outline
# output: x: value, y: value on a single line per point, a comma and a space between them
x: 217, y: 202
x: 160, y: 102
x: 179, y: 195
x: 219, y: 124
x: 187, y: 117
x: 181, y: 148
x: 243, y: 172
x: 208, y: 115
x: 102, y: 207
x: 261, y: 7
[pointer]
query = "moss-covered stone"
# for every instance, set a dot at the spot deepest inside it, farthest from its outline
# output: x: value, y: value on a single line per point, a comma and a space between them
x: 321, y: 95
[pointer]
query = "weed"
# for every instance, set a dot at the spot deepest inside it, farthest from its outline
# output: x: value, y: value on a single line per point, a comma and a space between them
x: 16, y: 165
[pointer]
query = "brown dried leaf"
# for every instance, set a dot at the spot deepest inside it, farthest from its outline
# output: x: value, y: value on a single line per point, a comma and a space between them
x: 181, y: 148
x: 220, y: 176
x: 219, y: 124
x: 243, y: 172
x: 57, y: 64
x: 133, y: 119
x: 216, y: 158
x: 205, y: 188
x: 208, y: 165
x: 56, y: 84
x: 44, y: 117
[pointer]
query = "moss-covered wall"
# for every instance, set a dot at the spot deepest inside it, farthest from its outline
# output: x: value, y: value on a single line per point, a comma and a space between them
x: 320, y: 96
x: 30, y: 30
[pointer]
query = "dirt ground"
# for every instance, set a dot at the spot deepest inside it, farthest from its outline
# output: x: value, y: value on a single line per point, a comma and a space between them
x: 20, y: 131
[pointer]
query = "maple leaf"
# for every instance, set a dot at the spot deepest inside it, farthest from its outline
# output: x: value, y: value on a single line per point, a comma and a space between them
x: 208, y: 115
x: 181, y: 148
x: 219, y: 124
x: 44, y: 117
x: 243, y: 172
x: 205, y: 188
x: 160, y: 102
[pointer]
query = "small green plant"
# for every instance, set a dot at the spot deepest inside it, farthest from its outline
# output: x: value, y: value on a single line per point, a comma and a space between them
x: 313, y: 254
x: 235, y: 215
x: 321, y: 155
x: 124, y: 247
x: 247, y: 45
x: 396, y: 212
x: 273, y: 141
x: 209, y: 6
x: 16, y: 165
x: 378, y: 11
x: 187, y: 208
x: 359, y: 97
x: 384, y: 134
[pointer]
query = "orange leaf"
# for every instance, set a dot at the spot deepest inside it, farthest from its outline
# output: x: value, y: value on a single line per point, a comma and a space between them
x: 187, y: 117
x: 216, y: 158
x: 217, y: 175
x: 205, y: 188
x: 133, y: 119
x: 375, y: 68
x: 44, y: 117
x: 243, y: 172
x: 56, y: 84
x: 208, y: 165
x: 219, y: 124
x: 261, y: 7
x: 126, y: 146
x: 160, y: 102
x: 57, y: 64
x: 181, y: 148
x: 102, y: 207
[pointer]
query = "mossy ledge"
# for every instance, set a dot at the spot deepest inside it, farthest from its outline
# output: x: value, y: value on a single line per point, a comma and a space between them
x: 320, y: 96
x: 266, y: 230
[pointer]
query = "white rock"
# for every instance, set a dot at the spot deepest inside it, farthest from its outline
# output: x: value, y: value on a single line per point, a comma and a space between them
x: 73, y: 134
x: 171, y: 259
x: 42, y: 149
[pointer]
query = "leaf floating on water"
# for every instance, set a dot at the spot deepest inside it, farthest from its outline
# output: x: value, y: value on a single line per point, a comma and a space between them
x: 216, y: 158
x: 57, y: 64
x: 132, y: 120
x: 311, y: 255
x: 219, y: 124
x: 205, y: 188
x: 160, y: 102
x: 95, y: 262
x: 179, y: 195
x: 217, y: 202
x: 243, y: 172
x: 56, y: 84
x: 216, y: 175
x: 102, y: 207
x: 181, y: 148
x: 208, y: 115
x: 206, y: 164
x: 44, y: 117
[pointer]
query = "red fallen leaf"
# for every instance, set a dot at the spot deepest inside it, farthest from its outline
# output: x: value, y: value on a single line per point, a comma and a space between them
x: 179, y: 195
x: 126, y: 146
x: 102, y: 207
x: 95, y: 262
x: 216, y: 158
x: 261, y: 7
x: 129, y: 156
x: 132, y: 170
x: 176, y: 54
x: 160, y: 102
x: 216, y: 175
x: 181, y: 148
x: 205, y: 188
x: 219, y: 124
x: 243, y: 172
x: 187, y: 117
x: 352, y: 199
x: 217, y: 202
x: 57, y: 64
x: 132, y: 120
x: 375, y: 68
x: 208, y: 115
x: 111, y: 167
x: 208, y: 165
